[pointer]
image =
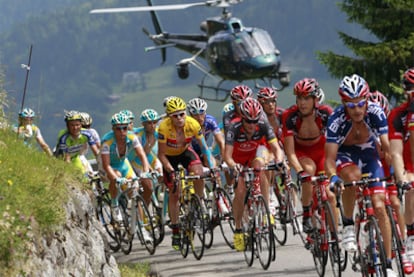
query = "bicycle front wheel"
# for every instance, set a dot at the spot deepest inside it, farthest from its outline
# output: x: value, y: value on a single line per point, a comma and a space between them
x: 197, y: 228
x: 226, y: 218
x: 377, y: 259
x: 104, y: 216
x: 396, y: 242
x: 334, y: 249
x: 320, y: 256
x: 265, y: 248
x: 280, y: 228
x: 144, y: 225
x: 248, y: 233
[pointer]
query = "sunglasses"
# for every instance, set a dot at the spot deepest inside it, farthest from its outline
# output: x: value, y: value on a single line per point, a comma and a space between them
x: 251, y: 121
x: 177, y: 115
x: 352, y: 105
x: 121, y: 128
x: 195, y: 112
x: 269, y: 101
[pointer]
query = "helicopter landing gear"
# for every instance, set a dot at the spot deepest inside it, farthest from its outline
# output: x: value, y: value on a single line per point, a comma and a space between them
x: 182, y: 70
x: 217, y: 91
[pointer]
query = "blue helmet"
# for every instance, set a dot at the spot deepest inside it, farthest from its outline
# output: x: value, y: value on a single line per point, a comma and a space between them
x: 27, y: 112
x: 149, y: 115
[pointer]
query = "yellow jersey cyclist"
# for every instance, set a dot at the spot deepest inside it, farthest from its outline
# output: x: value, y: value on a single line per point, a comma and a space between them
x: 175, y: 134
x: 148, y: 137
x: 29, y: 131
x: 73, y: 142
x: 114, y: 151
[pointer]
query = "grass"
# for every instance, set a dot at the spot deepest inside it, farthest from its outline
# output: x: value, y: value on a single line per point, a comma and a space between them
x: 33, y: 188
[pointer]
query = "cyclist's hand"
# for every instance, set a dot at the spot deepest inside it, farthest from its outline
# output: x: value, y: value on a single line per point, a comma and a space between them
x: 171, y: 176
x: 303, y: 176
x: 336, y: 183
x: 238, y: 168
x: 121, y: 180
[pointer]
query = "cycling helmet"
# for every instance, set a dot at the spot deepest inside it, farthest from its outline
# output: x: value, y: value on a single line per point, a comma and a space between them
x: 228, y: 107
x: 408, y: 79
x: 175, y: 104
x: 381, y: 100
x: 128, y: 113
x: 27, y: 112
x: 120, y: 118
x: 306, y: 87
x: 149, y: 115
x: 267, y: 93
x: 197, y: 106
x: 166, y: 100
x: 251, y: 109
x: 86, y: 119
x: 320, y: 95
x: 72, y: 115
x: 353, y: 87
x: 240, y: 92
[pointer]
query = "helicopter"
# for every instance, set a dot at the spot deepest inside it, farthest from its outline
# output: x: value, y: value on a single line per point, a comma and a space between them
x: 233, y: 52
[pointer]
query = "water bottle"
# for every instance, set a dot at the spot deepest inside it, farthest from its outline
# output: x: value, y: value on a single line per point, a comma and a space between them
x: 363, y: 234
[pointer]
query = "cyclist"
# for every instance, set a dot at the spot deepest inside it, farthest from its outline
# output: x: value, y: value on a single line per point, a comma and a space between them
x: 245, y: 146
x: 86, y: 121
x: 29, y: 131
x: 114, y: 150
x: 175, y: 134
x: 350, y: 149
x: 304, y: 126
x: 237, y: 94
x: 401, y: 123
x: 197, y: 108
x: 74, y: 141
x: 148, y: 137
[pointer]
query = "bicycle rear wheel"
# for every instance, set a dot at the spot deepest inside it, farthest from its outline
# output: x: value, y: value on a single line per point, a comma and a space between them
x: 197, y: 228
x: 264, y: 234
x: 124, y: 232
x: 226, y: 220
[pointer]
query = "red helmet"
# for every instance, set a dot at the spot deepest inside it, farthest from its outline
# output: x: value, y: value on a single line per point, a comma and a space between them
x: 408, y: 79
x: 240, y: 92
x: 251, y: 109
x: 306, y: 86
x: 381, y: 100
x: 267, y: 93
x: 353, y: 87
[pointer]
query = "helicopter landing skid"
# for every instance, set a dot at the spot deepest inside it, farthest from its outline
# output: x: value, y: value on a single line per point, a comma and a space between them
x: 220, y: 90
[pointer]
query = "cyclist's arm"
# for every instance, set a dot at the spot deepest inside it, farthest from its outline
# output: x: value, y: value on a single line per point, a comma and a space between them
x: 139, y: 151
x: 95, y: 150
x: 385, y: 147
x: 106, y: 165
x: 228, y: 156
x: 44, y: 145
x: 206, y: 151
x: 331, y: 150
x: 220, y: 141
x: 396, y: 149
x: 289, y: 145
x: 162, y: 147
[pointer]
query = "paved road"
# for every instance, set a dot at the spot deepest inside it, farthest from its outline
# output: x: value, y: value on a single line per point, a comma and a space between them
x: 291, y: 260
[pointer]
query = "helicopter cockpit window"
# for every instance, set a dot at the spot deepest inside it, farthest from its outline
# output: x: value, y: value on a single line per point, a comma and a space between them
x: 244, y: 46
x: 264, y: 41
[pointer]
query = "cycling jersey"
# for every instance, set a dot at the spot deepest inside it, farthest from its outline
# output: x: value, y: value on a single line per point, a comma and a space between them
x: 74, y: 146
x: 244, y: 148
x: 401, y: 122
x: 209, y: 129
x: 364, y: 155
x: 167, y: 134
x: 228, y: 117
x: 118, y: 162
x: 28, y: 136
x: 151, y: 156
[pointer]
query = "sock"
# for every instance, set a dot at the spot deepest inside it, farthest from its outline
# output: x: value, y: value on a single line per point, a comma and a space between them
x: 347, y: 221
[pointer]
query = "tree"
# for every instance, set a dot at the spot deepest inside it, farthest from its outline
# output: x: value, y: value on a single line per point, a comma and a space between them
x: 381, y: 61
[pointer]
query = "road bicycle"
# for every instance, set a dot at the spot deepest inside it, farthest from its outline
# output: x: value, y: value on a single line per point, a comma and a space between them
x: 257, y: 220
x: 219, y: 207
x: 191, y: 215
x: 159, y: 211
x: 136, y: 219
x: 397, y: 243
x: 370, y: 258
x: 286, y: 211
x: 323, y: 241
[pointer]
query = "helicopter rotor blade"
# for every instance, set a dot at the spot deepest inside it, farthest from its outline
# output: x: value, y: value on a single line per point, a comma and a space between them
x: 213, y: 3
